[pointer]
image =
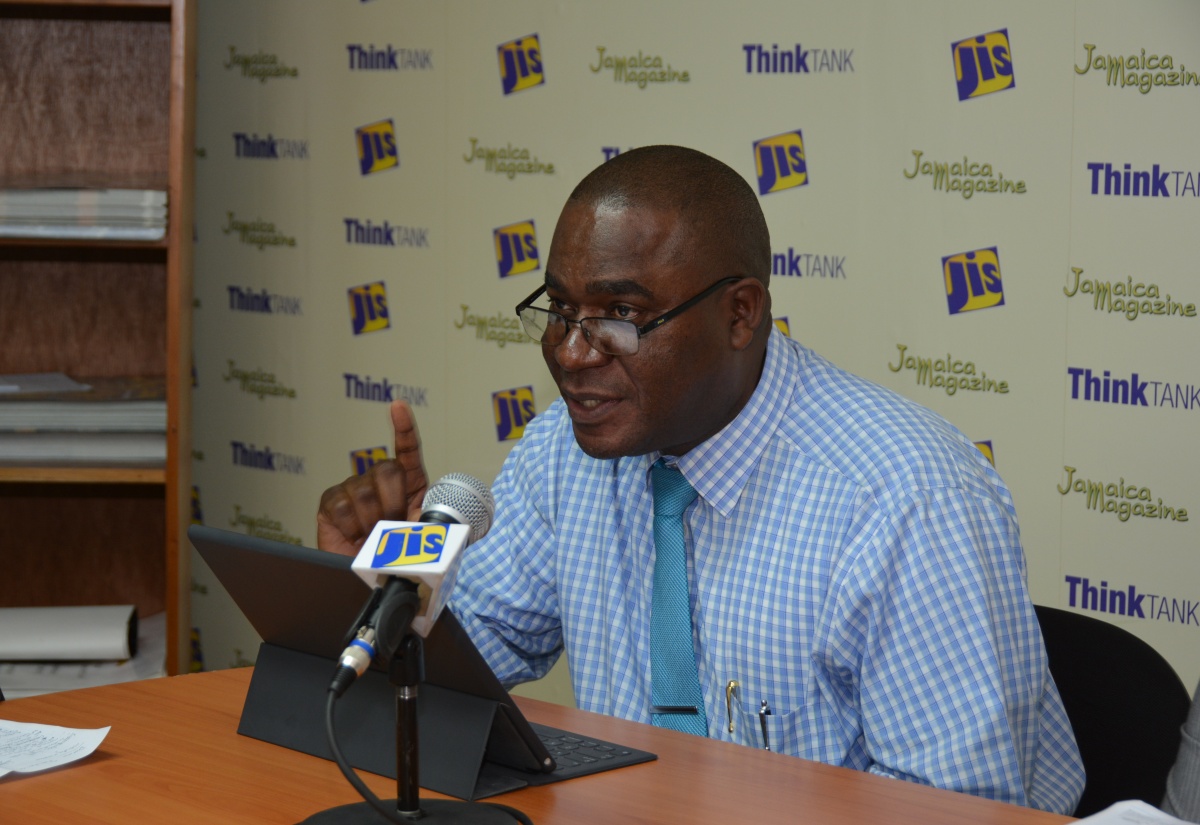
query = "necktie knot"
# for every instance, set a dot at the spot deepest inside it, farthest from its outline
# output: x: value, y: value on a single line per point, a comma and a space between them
x: 672, y: 492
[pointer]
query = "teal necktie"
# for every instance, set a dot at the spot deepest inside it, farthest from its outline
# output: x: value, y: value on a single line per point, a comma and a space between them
x: 675, y: 683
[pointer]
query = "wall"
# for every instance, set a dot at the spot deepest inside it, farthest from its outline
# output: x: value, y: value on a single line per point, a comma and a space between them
x: 944, y: 225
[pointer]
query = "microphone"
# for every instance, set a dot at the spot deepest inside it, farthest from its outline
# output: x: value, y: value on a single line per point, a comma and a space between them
x: 458, y: 498
x: 398, y: 555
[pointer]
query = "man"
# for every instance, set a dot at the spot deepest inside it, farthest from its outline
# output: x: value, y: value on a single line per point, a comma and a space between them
x: 854, y: 572
x: 1183, y: 783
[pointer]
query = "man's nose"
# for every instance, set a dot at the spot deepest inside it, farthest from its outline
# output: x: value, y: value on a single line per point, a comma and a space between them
x: 575, y: 353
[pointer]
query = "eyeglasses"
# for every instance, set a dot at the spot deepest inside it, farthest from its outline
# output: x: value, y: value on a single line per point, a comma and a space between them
x: 611, y: 336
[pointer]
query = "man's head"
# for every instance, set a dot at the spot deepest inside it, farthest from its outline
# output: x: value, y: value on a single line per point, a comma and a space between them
x: 640, y: 235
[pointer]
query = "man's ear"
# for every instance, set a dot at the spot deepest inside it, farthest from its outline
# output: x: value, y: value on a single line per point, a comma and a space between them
x: 749, y: 304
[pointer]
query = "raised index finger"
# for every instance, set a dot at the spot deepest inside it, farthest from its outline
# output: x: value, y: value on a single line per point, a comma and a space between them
x: 408, y: 456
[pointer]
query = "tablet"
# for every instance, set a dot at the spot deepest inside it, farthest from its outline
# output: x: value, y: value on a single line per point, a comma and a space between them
x: 304, y: 603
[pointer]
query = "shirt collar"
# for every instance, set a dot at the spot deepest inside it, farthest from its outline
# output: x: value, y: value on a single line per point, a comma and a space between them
x: 720, y: 467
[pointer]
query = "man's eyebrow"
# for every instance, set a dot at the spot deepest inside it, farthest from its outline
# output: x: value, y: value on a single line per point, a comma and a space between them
x: 617, y: 286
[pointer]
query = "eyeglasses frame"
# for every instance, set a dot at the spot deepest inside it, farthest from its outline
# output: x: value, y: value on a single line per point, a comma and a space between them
x: 643, y: 330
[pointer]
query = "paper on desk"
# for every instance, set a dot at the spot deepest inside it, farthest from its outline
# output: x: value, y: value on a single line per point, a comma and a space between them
x: 26, y: 747
x: 1132, y: 812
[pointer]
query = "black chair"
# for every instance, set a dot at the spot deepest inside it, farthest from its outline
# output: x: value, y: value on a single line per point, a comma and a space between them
x: 1125, y: 702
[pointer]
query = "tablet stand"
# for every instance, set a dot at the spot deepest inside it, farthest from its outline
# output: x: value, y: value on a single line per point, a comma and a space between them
x: 285, y: 705
x: 406, y: 669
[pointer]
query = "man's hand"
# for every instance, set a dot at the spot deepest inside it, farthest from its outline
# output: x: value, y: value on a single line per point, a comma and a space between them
x: 392, y: 489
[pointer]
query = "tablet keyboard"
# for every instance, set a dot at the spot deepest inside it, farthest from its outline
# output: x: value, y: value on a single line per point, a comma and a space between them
x: 577, y: 755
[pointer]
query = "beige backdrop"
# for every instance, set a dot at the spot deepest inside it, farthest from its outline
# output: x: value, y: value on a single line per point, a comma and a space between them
x: 979, y: 255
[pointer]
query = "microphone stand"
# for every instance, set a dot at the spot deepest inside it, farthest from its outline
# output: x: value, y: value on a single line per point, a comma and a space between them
x: 405, y: 671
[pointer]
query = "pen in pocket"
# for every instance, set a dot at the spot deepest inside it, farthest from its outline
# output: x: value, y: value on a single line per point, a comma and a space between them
x: 764, y: 711
x: 730, y: 689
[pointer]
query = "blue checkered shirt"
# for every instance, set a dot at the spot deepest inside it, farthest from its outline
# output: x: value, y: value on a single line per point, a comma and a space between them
x: 853, y: 560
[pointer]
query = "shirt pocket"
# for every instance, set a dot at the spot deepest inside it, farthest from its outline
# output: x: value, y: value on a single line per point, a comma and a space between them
x: 749, y: 719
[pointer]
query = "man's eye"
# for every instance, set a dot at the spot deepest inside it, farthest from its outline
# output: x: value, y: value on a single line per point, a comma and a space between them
x: 560, y: 307
x: 623, y: 311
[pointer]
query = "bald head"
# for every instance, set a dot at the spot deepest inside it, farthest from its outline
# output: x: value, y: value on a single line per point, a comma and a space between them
x: 714, y: 202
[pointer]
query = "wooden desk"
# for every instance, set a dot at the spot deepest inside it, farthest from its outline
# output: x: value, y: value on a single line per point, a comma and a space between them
x: 174, y: 756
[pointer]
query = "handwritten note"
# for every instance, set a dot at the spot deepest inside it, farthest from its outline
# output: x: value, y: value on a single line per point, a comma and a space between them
x: 25, y: 748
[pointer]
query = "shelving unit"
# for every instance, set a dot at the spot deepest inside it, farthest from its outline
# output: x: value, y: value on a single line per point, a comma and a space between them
x: 96, y: 93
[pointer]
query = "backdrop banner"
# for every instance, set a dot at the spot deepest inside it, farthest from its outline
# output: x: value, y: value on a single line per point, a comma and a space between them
x: 984, y: 207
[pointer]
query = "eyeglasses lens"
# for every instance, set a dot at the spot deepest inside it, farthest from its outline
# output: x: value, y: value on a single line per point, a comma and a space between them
x: 611, y: 337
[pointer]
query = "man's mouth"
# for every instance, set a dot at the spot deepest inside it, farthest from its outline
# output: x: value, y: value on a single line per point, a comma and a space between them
x: 589, y: 409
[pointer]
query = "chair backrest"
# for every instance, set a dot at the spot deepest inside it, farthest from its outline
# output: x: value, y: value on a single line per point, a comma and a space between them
x: 1125, y: 702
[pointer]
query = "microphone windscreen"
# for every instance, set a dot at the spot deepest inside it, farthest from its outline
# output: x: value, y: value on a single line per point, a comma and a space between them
x: 465, y: 499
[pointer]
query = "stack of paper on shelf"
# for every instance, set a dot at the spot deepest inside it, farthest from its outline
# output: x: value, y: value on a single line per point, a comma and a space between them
x: 68, y: 634
x: 49, y: 419
x: 78, y: 654
x: 97, y: 214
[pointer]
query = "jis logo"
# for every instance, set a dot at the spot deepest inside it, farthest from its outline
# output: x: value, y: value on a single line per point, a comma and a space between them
x: 983, y: 64
x: 364, y: 459
x: 779, y: 162
x: 520, y: 64
x: 368, y: 308
x: 973, y: 280
x: 512, y: 410
x: 985, y: 447
x: 376, y: 147
x: 516, y: 248
x: 415, y: 544
x: 197, y: 513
